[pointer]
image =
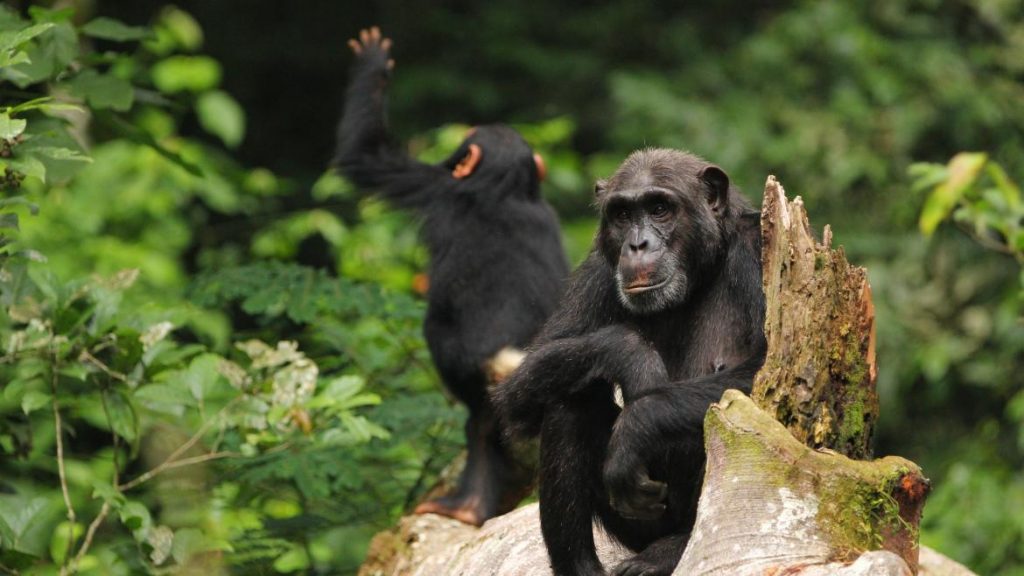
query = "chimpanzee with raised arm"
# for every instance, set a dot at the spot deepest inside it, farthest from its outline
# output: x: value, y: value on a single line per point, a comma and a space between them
x: 497, y: 266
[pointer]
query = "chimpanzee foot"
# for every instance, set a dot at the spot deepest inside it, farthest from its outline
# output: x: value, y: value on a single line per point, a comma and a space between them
x: 468, y: 509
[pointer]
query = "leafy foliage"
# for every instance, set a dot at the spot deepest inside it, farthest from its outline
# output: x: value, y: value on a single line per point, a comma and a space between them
x: 128, y: 152
x: 145, y: 425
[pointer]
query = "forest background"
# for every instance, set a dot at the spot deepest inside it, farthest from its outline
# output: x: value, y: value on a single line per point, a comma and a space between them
x: 228, y: 336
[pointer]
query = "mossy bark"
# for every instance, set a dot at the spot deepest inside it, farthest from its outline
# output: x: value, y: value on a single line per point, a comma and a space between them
x: 797, y: 510
x: 819, y: 375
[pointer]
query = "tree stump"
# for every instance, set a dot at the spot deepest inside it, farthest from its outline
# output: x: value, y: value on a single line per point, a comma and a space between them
x: 819, y: 375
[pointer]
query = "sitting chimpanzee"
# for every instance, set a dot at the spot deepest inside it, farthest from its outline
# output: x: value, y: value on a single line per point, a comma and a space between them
x: 669, y: 308
x: 497, y: 265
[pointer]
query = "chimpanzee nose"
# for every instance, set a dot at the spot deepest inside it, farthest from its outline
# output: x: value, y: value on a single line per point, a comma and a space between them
x: 638, y: 244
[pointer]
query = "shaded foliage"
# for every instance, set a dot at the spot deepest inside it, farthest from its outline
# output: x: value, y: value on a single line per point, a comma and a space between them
x: 128, y: 139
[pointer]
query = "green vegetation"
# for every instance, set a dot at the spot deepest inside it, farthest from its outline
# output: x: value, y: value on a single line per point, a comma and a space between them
x: 210, y: 350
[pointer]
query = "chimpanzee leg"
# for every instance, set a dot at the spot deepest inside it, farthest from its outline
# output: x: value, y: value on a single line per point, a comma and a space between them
x: 574, y: 438
x: 493, y: 481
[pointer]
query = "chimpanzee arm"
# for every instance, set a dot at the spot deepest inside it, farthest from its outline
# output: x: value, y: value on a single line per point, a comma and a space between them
x: 583, y: 344
x: 667, y: 416
x: 365, y: 155
x: 559, y: 369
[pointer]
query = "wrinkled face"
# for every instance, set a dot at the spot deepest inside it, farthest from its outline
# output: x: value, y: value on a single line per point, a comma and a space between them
x: 660, y: 231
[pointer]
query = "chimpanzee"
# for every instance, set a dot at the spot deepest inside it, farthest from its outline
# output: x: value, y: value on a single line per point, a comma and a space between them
x: 668, y: 311
x: 497, y: 265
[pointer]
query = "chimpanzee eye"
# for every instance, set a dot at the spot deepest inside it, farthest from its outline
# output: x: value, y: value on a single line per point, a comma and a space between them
x: 659, y: 210
x: 622, y: 214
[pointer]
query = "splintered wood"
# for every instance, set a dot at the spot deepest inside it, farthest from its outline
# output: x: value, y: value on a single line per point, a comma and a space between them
x: 819, y: 375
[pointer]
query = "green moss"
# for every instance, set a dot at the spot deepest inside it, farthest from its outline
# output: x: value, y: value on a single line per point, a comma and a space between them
x: 863, y: 516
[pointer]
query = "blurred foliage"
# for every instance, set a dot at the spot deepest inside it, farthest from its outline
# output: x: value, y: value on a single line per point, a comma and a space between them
x: 164, y: 212
x: 145, y: 426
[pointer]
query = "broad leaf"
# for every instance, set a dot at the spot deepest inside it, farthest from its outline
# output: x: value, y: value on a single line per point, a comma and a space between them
x: 11, y: 128
x: 103, y: 90
x: 110, y: 29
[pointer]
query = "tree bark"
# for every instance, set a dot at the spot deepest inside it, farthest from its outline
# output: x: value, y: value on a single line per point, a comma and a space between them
x: 781, y: 494
x: 819, y: 375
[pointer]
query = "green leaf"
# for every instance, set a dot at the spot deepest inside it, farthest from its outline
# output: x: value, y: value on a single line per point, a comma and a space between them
x: 11, y: 59
x: 123, y: 420
x: 34, y: 400
x: 103, y: 90
x: 19, y: 201
x: 12, y: 39
x: 292, y: 561
x: 164, y: 398
x: 963, y: 172
x: 59, y: 542
x: 186, y: 73
x: 135, y: 516
x: 109, y: 494
x: 110, y: 29
x: 47, y: 57
x: 26, y: 523
x: 182, y: 28
x: 58, y: 153
x: 11, y: 128
x: 29, y: 166
x: 220, y: 115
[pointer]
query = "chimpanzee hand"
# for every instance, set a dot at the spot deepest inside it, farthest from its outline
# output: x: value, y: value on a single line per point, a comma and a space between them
x: 373, y: 48
x: 631, y: 491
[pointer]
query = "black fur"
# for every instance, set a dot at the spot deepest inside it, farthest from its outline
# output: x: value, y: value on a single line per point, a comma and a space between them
x: 497, y: 265
x: 669, y: 306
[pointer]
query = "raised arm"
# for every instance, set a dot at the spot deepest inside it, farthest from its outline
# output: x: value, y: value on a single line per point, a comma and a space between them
x: 365, y: 153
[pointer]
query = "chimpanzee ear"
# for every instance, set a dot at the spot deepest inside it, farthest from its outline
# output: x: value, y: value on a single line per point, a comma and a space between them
x: 717, y: 184
x: 469, y: 162
x: 542, y: 168
x: 599, y: 188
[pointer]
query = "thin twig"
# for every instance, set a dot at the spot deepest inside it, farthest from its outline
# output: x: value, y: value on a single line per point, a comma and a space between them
x: 58, y: 426
x: 105, y: 509
x: 89, y: 535
x: 176, y: 464
x: 88, y: 357
x: 170, y: 461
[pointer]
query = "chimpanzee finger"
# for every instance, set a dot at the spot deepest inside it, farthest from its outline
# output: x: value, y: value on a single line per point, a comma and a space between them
x: 385, y: 44
x: 356, y: 47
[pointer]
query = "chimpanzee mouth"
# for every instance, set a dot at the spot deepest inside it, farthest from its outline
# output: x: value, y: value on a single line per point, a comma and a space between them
x: 641, y: 287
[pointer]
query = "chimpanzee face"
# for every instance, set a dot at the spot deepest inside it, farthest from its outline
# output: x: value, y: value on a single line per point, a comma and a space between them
x: 660, y: 229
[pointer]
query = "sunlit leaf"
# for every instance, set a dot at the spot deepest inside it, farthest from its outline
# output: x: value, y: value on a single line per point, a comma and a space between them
x: 12, y: 39
x: 11, y: 128
x: 963, y: 171
x: 186, y: 73
x: 34, y: 400
x: 221, y: 115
